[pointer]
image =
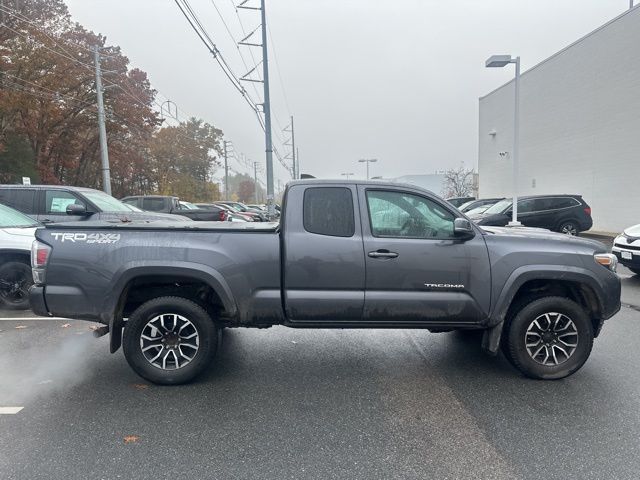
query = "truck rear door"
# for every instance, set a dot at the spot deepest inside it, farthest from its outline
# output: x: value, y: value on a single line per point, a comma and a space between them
x: 417, y: 271
x: 322, y: 254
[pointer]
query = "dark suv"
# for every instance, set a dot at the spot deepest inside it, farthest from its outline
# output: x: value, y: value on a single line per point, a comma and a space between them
x: 567, y: 214
x: 60, y: 203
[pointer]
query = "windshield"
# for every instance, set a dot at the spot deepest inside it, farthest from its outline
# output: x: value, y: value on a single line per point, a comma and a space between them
x: 499, y: 207
x: 465, y: 205
x: 107, y: 203
x: 10, y: 218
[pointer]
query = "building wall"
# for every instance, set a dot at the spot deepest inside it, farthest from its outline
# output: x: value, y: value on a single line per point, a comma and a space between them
x: 579, y: 126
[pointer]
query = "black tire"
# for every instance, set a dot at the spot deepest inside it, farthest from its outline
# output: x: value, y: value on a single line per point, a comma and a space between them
x: 15, y: 282
x: 635, y: 270
x: 557, y: 308
x: 206, y: 339
x: 569, y: 227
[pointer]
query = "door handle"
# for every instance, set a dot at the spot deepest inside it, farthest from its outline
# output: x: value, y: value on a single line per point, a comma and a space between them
x: 382, y: 254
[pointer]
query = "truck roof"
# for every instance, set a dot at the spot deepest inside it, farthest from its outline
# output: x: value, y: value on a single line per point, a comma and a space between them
x: 375, y: 183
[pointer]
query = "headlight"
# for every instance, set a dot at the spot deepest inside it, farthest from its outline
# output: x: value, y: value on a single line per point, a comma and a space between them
x: 607, y: 260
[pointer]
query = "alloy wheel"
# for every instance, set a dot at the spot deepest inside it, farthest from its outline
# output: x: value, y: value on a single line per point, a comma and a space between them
x: 169, y: 341
x: 14, y: 287
x: 569, y: 229
x: 551, y: 339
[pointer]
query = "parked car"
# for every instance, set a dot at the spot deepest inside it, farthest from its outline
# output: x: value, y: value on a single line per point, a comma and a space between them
x: 16, y: 237
x: 262, y: 214
x: 169, y: 204
x: 231, y: 215
x: 478, y: 204
x: 457, y: 201
x: 347, y: 255
x: 242, y: 210
x: 626, y: 247
x: 568, y: 214
x: 59, y: 203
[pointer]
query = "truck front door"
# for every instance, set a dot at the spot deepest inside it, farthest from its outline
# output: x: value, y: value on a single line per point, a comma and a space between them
x: 417, y: 271
x: 322, y: 254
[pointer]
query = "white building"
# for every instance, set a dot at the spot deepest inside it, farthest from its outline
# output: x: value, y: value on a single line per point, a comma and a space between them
x: 579, y: 126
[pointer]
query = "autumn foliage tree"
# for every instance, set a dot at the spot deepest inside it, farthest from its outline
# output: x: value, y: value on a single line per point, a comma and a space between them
x: 48, y: 112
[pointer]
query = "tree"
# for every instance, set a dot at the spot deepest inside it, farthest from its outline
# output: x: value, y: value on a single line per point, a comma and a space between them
x: 183, y: 159
x: 458, y: 182
x: 48, y: 99
x: 246, y: 191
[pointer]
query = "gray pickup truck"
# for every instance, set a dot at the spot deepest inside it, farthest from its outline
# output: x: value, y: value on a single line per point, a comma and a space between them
x: 345, y: 255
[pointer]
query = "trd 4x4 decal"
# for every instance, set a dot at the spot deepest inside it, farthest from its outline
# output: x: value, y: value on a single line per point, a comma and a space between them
x: 87, y: 237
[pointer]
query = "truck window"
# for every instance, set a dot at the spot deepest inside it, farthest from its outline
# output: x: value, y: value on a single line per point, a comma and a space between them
x: 399, y: 214
x: 329, y: 211
x: 57, y: 201
x: 21, y: 199
x: 153, y: 204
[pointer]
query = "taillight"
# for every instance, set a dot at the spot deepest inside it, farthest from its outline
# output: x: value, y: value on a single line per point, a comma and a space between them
x: 223, y: 215
x: 587, y: 210
x: 39, y: 257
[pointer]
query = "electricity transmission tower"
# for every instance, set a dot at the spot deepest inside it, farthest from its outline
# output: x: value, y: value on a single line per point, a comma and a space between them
x: 266, y: 105
x: 291, y: 142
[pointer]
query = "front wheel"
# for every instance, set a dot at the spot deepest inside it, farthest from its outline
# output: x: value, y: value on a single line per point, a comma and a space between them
x: 15, y: 281
x: 170, y: 340
x: 550, y: 338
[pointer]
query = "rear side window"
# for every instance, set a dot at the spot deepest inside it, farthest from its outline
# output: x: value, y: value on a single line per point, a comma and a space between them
x: 153, y: 204
x: 329, y: 211
x: 57, y: 201
x: 21, y: 199
x: 563, y: 202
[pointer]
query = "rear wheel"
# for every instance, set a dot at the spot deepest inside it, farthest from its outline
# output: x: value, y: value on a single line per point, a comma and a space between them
x: 15, y: 281
x: 569, y: 227
x: 550, y: 338
x: 170, y: 340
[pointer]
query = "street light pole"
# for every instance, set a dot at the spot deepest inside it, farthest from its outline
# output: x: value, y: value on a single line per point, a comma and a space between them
x: 501, y: 61
x: 516, y: 145
x: 368, y: 161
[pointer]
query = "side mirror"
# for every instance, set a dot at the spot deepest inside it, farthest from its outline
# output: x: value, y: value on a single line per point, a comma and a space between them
x: 463, y: 229
x: 75, y: 209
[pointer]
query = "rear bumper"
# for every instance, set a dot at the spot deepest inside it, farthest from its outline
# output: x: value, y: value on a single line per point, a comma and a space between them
x: 36, y: 299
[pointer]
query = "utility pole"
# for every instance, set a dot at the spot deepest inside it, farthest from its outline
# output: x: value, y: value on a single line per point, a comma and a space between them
x: 226, y: 171
x: 298, y: 161
x: 102, y: 129
x: 271, y: 210
x: 255, y: 181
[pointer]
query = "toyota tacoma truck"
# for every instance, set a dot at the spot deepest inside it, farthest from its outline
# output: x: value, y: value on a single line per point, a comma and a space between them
x: 345, y: 255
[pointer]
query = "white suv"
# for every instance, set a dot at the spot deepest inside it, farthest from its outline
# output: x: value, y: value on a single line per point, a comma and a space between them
x: 16, y: 236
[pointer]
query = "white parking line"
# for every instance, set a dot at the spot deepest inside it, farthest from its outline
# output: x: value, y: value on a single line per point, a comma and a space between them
x: 10, y: 410
x: 20, y: 319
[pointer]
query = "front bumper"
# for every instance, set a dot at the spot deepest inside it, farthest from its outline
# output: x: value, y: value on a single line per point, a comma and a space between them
x: 629, y: 257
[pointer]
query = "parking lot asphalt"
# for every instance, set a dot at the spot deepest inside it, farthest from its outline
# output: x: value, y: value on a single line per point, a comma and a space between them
x: 282, y: 403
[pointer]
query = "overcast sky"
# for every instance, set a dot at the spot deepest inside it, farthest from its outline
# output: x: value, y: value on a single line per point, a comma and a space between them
x: 394, y: 80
